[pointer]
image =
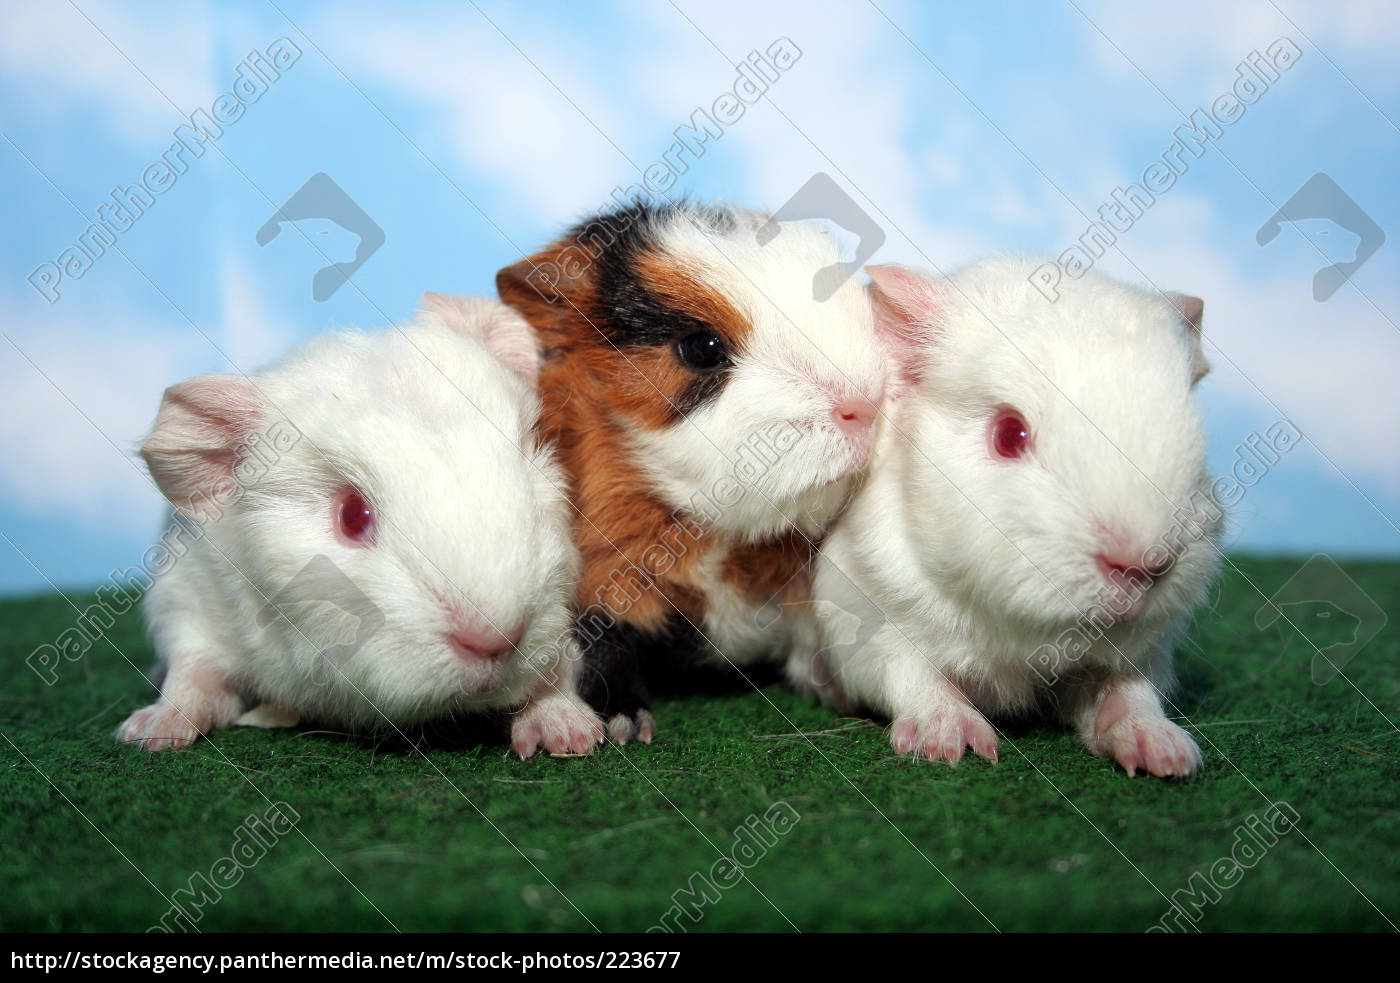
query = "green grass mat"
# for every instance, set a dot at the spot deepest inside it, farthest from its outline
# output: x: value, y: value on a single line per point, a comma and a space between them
x: 97, y: 836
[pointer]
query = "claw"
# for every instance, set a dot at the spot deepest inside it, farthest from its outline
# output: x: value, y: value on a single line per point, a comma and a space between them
x: 641, y: 726
x: 1142, y: 738
x: 558, y: 724
x: 945, y: 734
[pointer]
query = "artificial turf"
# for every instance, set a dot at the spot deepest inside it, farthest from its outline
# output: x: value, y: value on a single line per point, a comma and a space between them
x: 453, y: 836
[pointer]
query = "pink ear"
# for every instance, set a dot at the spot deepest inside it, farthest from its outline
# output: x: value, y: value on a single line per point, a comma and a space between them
x: 905, y: 304
x: 908, y: 288
x: 505, y: 333
x: 1191, y: 310
x: 194, y: 446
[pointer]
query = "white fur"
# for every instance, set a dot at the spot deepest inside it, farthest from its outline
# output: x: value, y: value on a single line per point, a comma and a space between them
x: 968, y: 563
x: 437, y: 434
x: 802, y: 358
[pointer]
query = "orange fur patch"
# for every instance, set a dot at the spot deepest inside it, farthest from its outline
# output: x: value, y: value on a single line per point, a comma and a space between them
x: 777, y: 569
x: 554, y: 295
x: 640, y: 562
x: 682, y: 290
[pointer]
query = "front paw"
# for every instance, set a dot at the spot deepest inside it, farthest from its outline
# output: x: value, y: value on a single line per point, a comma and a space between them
x: 639, y: 725
x: 944, y: 734
x: 559, y: 724
x: 1149, y: 741
x: 157, y: 727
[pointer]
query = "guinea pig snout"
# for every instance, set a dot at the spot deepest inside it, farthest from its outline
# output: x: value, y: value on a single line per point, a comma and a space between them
x: 1128, y: 578
x: 855, y: 415
x: 484, y: 641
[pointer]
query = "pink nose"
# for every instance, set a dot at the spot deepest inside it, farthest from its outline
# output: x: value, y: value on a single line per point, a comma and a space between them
x: 855, y: 415
x: 484, y: 642
x: 1124, y: 567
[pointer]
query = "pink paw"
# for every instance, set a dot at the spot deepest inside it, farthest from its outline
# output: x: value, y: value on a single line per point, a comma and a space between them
x: 1150, y: 742
x: 641, y: 726
x: 157, y: 727
x: 558, y: 724
x: 945, y: 734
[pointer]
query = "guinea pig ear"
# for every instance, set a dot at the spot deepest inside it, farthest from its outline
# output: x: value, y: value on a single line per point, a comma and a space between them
x: 906, y: 304
x: 550, y: 288
x: 1191, y: 309
x: 193, y: 448
x: 504, y: 332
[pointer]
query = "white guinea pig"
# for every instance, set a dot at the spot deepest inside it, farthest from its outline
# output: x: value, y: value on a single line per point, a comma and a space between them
x: 372, y: 537
x: 1036, y: 527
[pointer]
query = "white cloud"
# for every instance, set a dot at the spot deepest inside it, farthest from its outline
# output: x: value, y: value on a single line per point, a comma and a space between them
x: 507, y: 123
x: 66, y: 66
x: 1197, y: 35
x: 874, y: 146
x: 1368, y: 28
x: 251, y: 335
x: 500, y: 117
x: 75, y: 417
x: 77, y: 414
x: 1193, y: 51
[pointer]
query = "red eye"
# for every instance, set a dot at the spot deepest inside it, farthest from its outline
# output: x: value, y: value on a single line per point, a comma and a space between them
x: 1010, y: 435
x: 354, y: 518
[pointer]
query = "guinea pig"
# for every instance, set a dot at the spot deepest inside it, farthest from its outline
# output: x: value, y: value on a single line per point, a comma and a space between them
x: 712, y: 416
x: 1036, y: 527
x: 374, y: 537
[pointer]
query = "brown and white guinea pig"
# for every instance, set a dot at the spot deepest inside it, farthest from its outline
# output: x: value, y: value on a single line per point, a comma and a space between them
x: 712, y: 416
x: 1036, y: 527
x: 392, y: 481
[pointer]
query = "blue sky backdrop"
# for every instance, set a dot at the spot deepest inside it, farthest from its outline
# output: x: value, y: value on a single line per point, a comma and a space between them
x: 470, y: 132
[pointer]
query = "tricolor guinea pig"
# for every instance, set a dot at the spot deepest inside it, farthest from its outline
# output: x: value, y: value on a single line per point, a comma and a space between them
x: 377, y: 538
x: 1036, y: 528
x: 712, y: 416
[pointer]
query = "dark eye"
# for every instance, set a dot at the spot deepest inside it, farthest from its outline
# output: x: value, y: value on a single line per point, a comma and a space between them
x: 353, y: 517
x: 1009, y: 434
x: 702, y: 350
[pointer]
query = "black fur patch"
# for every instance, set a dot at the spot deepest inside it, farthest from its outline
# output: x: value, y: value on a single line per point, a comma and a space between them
x: 624, y: 664
x: 611, y: 674
x: 627, y: 312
